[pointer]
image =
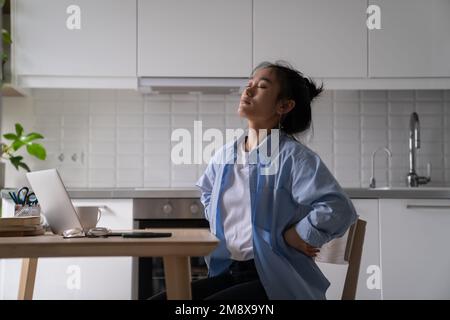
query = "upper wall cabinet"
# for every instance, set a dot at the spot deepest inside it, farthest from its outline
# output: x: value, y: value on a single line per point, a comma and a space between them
x: 413, y: 40
x: 75, y: 38
x: 322, y: 38
x: 196, y: 38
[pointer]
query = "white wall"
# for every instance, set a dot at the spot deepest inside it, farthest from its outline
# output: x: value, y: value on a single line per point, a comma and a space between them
x: 122, y: 139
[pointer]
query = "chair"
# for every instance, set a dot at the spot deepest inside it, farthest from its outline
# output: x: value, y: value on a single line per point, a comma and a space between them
x: 346, y: 250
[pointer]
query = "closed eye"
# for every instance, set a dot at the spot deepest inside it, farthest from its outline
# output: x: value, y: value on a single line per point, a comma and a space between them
x: 259, y: 86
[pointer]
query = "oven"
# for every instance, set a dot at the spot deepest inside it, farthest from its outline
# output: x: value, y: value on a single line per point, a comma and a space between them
x: 165, y: 213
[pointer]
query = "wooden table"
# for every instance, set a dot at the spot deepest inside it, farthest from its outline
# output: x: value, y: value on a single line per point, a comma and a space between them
x: 175, y: 251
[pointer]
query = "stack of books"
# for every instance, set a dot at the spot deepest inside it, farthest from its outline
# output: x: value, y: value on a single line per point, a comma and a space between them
x: 21, y: 226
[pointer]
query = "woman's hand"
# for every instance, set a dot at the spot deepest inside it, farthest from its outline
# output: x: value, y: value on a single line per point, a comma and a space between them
x: 293, y: 239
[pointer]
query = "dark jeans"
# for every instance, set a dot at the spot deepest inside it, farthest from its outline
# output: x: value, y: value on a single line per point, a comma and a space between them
x: 239, y: 282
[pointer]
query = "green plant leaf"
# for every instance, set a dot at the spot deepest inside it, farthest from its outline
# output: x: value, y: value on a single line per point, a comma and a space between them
x: 17, y: 158
x: 31, y: 136
x: 19, y: 129
x: 10, y: 136
x: 6, y: 36
x: 37, y: 150
x: 23, y: 165
x: 2, y: 3
x: 15, y: 162
x: 35, y: 135
x: 17, y: 145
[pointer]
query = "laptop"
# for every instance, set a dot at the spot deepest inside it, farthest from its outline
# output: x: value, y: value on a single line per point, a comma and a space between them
x: 54, y: 200
x: 61, y: 214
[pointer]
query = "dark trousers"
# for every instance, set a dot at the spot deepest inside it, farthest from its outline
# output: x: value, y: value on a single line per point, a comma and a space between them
x: 239, y: 282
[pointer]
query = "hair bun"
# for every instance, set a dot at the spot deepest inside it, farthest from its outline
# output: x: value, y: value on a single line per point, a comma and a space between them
x: 313, y: 89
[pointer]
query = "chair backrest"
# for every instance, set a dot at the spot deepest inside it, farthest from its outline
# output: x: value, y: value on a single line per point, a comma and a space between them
x: 346, y: 250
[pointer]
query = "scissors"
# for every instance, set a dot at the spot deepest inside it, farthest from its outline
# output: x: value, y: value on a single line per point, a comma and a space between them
x: 24, y: 197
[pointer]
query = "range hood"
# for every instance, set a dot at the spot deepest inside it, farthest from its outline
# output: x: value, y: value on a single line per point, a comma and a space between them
x: 191, y: 85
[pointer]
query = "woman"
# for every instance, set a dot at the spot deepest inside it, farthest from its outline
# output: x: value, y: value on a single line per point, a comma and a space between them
x: 271, y: 223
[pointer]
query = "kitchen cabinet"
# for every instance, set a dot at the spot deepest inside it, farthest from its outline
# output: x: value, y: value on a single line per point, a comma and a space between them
x: 197, y: 38
x: 321, y: 38
x: 369, y: 282
x: 79, y: 278
x: 74, y: 43
x: 415, y: 259
x: 413, y: 40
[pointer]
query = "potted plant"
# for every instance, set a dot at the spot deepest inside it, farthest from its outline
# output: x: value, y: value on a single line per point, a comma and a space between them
x: 18, y: 140
x: 9, y: 151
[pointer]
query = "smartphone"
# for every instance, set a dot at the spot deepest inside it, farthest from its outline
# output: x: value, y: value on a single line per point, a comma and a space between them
x: 137, y: 234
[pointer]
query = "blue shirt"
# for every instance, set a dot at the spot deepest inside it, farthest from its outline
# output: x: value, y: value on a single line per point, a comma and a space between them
x: 301, y: 192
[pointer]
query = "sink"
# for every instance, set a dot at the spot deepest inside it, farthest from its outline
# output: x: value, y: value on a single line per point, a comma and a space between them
x: 413, y: 189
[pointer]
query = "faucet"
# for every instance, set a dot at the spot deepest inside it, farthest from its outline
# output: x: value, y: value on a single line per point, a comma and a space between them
x: 412, y: 179
x: 373, y: 183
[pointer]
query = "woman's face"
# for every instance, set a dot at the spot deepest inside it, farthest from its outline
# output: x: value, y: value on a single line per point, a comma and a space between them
x: 259, y: 103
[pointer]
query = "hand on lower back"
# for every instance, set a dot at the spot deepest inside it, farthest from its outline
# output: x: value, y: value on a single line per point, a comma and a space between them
x: 293, y: 239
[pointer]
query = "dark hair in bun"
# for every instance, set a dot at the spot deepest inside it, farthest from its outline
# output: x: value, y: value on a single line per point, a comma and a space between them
x: 294, y: 86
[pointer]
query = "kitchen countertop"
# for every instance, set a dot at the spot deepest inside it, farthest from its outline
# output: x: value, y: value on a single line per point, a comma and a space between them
x: 354, y: 193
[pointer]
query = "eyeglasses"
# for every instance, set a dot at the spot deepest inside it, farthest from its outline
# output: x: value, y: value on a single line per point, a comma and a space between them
x: 91, y: 233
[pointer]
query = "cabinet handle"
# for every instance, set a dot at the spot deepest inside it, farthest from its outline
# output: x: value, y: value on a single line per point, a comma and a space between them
x: 424, y: 206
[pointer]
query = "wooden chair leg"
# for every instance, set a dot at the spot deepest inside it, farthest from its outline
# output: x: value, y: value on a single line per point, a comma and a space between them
x: 27, y: 278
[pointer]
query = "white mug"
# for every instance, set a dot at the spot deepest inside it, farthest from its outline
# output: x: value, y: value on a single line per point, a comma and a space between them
x: 89, y: 216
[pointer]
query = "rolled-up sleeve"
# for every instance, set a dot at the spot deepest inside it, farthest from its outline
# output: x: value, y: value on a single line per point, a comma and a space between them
x: 205, y: 183
x: 328, y: 210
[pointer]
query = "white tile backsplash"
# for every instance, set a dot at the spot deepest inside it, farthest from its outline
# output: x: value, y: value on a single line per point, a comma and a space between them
x: 377, y: 135
x: 368, y: 147
x: 374, y: 108
x: 429, y: 107
x: 102, y: 107
x: 184, y: 120
x: 130, y: 133
x: 374, y: 122
x: 373, y: 95
x: 400, y: 107
x: 99, y: 178
x: 431, y: 121
x: 157, y: 133
x: 401, y: 95
x: 184, y: 106
x: 346, y: 121
x: 347, y: 135
x: 212, y: 107
x: 102, y: 147
x: 101, y: 161
x: 102, y: 134
x: 347, y: 107
x: 102, y: 95
x: 127, y: 147
x: 129, y: 120
x: 125, y: 137
x: 345, y: 95
x: 157, y: 120
x: 429, y: 95
x: 102, y: 120
x: 155, y: 106
x: 130, y: 107
x: 75, y: 107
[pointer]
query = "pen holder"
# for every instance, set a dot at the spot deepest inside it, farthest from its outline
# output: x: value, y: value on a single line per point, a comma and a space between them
x: 27, y: 211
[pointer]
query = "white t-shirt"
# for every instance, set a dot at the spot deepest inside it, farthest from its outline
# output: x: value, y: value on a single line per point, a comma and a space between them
x: 236, y: 208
